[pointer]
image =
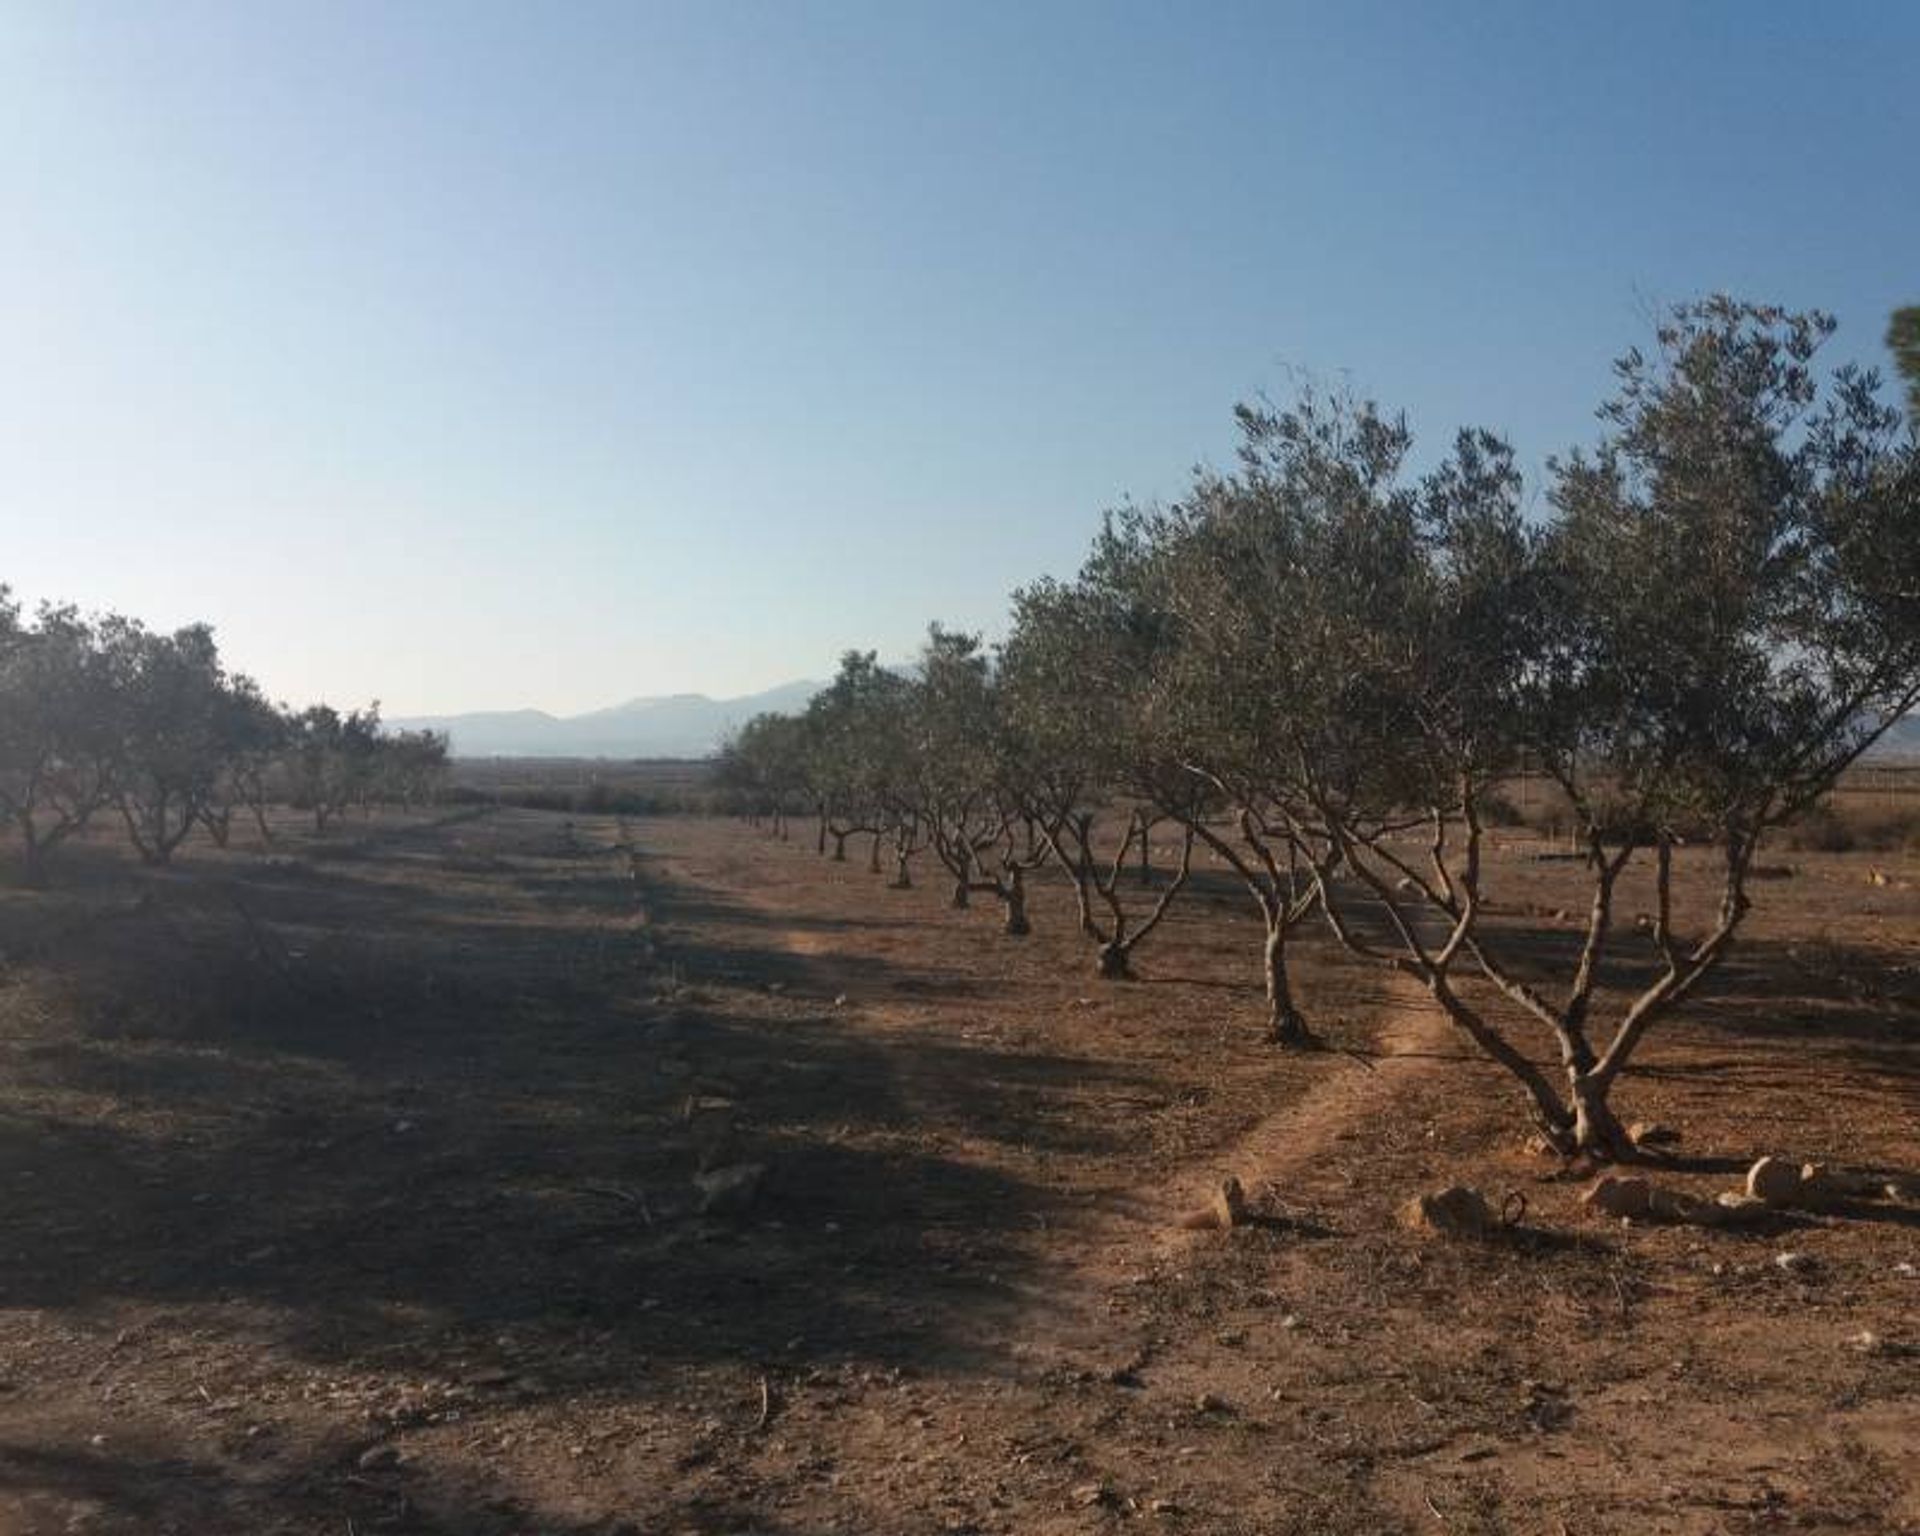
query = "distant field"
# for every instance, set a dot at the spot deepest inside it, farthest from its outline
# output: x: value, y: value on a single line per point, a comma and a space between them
x: 646, y: 786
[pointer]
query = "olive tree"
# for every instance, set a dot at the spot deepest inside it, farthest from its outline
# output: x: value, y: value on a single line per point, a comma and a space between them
x: 331, y: 759
x: 59, y: 743
x: 253, y: 735
x: 962, y: 758
x: 852, y: 754
x: 1903, y: 340
x: 1721, y: 613
x: 1254, y: 566
x: 410, y: 767
x: 171, y: 708
x: 1075, y: 672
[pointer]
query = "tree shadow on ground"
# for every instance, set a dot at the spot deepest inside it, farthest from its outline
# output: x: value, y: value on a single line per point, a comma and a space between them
x: 372, y: 1157
x: 97, y: 1489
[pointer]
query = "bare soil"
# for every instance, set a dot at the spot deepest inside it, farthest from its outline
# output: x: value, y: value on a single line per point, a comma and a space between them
x: 350, y: 1187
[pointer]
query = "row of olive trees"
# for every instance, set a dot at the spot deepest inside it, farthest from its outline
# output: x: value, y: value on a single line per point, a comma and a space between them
x: 1321, y: 666
x: 100, y: 715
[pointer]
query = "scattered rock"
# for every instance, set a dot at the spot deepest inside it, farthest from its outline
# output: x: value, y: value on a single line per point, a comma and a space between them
x: 1821, y: 1188
x: 379, y: 1458
x: 732, y: 1190
x: 1650, y: 1133
x: 1774, y: 1181
x: 710, y: 1128
x: 1674, y: 1205
x: 1793, y: 1262
x: 1455, y: 1211
x: 1618, y: 1195
x: 1869, y: 1343
x: 1089, y: 1495
x: 1738, y: 1208
x: 1227, y: 1208
x: 1211, y: 1402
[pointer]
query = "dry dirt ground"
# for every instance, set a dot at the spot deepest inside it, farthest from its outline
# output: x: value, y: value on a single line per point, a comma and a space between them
x: 349, y: 1189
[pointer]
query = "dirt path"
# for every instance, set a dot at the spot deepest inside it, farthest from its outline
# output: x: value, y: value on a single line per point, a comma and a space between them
x: 1288, y: 1147
x: 1135, y: 1223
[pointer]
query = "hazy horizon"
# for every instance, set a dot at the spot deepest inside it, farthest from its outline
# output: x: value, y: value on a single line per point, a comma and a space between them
x: 471, y: 357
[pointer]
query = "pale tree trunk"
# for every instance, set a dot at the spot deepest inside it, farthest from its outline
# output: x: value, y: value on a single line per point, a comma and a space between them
x: 1014, y: 894
x: 33, y: 854
x: 1286, y: 1025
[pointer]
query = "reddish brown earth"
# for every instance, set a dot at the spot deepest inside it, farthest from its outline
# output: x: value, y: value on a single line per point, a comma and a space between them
x: 348, y: 1189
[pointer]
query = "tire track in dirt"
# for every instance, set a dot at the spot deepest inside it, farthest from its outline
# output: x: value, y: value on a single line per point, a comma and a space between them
x: 1410, y: 1046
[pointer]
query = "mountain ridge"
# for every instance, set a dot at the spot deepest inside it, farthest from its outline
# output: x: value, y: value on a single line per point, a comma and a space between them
x: 650, y: 725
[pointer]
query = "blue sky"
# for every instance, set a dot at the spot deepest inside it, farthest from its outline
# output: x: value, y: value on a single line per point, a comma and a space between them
x: 471, y: 355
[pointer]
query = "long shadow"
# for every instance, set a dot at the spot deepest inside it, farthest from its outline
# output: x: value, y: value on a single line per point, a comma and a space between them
x: 355, y: 1141
x: 106, y: 1491
x: 686, y: 937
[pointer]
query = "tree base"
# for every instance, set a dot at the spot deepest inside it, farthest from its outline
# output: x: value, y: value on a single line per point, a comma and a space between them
x: 1290, y: 1032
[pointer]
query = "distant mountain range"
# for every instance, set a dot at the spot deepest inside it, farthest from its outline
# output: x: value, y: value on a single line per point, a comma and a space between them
x: 693, y: 725
x: 673, y: 725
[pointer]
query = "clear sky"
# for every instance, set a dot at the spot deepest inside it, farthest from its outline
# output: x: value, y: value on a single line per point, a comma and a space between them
x: 483, y: 355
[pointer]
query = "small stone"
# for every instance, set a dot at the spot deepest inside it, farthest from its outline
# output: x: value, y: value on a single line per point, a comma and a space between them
x: 1456, y: 1211
x: 1618, y: 1195
x: 1227, y: 1208
x: 1868, y: 1342
x: 732, y: 1190
x: 379, y: 1458
x: 1674, y: 1205
x: 1774, y: 1181
x: 1650, y: 1133
x: 1793, y: 1263
x: 1162, y: 1507
x: 1088, y: 1495
x: 1820, y: 1187
x: 1212, y: 1402
x: 1739, y: 1208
